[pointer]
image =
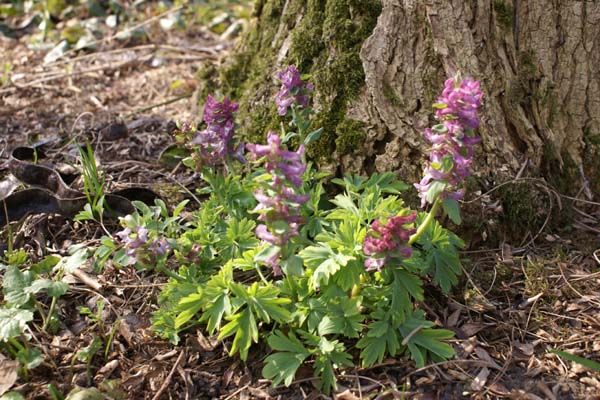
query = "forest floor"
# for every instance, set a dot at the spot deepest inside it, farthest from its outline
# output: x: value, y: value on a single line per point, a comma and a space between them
x: 520, y: 297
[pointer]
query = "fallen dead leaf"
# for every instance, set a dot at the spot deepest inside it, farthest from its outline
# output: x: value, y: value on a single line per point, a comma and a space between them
x: 526, y: 348
x: 481, y: 379
x: 484, y: 356
x: 8, y: 374
x: 471, y: 328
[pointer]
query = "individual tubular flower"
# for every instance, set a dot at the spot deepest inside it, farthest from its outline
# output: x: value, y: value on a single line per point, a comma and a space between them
x: 215, y: 142
x: 388, y: 239
x: 451, y: 153
x: 279, y: 199
x: 293, y: 91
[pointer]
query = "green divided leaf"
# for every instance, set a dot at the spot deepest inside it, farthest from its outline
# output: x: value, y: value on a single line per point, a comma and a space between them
x: 331, y: 355
x: 217, y: 302
x: 324, y: 262
x: 403, y: 286
x: 258, y: 302
x: 381, y: 339
x: 188, y: 307
x: 441, y: 249
x: 243, y: 325
x: 282, y: 366
x: 343, y: 318
x: 426, y: 341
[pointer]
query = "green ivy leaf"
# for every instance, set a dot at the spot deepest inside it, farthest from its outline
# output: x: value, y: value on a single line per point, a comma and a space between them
x: 57, y: 288
x: 13, y: 322
x: 73, y: 261
x: 15, y: 282
x: 292, y: 266
x: 30, y: 357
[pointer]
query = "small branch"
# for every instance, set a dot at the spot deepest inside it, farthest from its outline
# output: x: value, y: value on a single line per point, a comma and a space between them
x: 167, y: 381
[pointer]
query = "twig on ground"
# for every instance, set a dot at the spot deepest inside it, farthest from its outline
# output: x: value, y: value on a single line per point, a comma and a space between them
x: 240, y: 390
x: 162, y: 103
x: 86, y: 279
x: 167, y: 381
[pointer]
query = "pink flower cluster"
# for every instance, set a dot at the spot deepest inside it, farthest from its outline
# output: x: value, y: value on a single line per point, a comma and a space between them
x: 388, y: 240
x: 293, y: 90
x: 215, y: 142
x: 452, y: 141
x: 279, y: 200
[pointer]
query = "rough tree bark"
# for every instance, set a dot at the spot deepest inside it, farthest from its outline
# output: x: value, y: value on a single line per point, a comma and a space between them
x: 377, y: 67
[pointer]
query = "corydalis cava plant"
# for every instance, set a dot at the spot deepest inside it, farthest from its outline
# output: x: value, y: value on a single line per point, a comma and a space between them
x: 320, y: 250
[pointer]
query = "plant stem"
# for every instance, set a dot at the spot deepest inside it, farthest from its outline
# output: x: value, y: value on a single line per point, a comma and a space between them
x: 49, y: 314
x: 15, y: 343
x: 169, y: 273
x: 425, y: 224
x: 8, y: 230
x: 262, y: 277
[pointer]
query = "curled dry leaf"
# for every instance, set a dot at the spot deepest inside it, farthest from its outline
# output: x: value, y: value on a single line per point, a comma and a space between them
x: 8, y: 374
x: 481, y: 379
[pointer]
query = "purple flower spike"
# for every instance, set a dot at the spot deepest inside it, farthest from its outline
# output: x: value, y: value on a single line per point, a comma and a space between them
x: 293, y: 91
x: 215, y: 142
x: 452, y: 141
x: 278, y: 200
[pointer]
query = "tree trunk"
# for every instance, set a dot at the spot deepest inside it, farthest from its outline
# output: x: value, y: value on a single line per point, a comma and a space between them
x: 378, y: 66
